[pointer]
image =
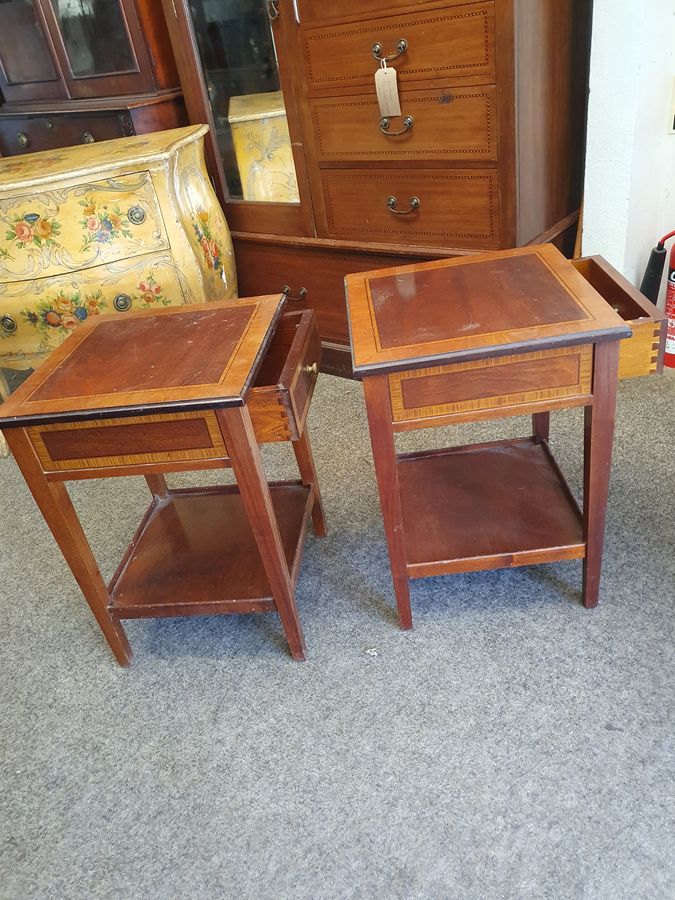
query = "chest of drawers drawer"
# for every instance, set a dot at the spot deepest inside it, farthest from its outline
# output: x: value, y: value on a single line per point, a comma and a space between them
x: 436, y: 43
x: 28, y: 134
x: 445, y: 122
x: 75, y: 227
x: 445, y: 207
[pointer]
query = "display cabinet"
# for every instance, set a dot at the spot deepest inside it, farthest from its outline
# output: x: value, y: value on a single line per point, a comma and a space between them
x: 78, y: 71
x: 486, y: 153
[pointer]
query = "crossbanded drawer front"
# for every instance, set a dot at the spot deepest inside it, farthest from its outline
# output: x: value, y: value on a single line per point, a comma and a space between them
x: 29, y: 134
x: 446, y: 122
x: 440, y: 43
x: 491, y: 384
x: 137, y: 440
x: 88, y: 224
x: 458, y: 208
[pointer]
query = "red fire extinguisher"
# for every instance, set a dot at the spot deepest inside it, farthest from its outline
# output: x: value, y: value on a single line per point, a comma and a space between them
x: 651, y: 283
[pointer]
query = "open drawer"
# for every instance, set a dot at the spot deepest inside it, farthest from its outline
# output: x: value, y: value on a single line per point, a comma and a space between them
x: 642, y: 353
x: 281, y: 394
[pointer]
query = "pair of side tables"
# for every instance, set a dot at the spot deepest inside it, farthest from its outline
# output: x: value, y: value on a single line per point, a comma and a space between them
x: 187, y: 388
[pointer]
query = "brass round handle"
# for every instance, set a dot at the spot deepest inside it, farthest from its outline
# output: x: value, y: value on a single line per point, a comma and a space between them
x: 122, y: 302
x: 401, y: 47
x: 414, y: 205
x: 384, y: 126
x: 313, y: 369
x: 286, y: 291
x: 23, y: 139
x: 136, y: 215
x: 8, y: 324
x: 88, y: 138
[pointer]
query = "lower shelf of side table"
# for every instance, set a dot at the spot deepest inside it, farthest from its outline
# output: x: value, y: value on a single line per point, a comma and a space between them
x: 194, y: 554
x: 486, y: 506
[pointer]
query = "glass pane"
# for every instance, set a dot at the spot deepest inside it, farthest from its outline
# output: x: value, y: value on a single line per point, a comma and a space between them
x: 23, y: 48
x: 238, y: 55
x: 95, y: 36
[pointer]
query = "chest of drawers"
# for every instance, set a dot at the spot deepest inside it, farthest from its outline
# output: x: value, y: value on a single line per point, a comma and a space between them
x: 106, y: 228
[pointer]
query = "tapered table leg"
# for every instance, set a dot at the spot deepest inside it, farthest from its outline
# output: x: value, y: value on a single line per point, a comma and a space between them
x: 240, y: 440
x: 598, y: 436
x: 541, y: 426
x: 157, y: 485
x: 378, y: 406
x: 58, y: 511
x: 303, y: 454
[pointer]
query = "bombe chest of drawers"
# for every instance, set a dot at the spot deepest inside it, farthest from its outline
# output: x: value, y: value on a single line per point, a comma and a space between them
x: 109, y: 227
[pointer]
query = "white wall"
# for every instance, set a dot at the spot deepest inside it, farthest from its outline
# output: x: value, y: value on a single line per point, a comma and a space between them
x: 629, y: 193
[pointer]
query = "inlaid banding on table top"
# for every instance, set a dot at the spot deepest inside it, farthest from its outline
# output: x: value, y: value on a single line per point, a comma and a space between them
x: 134, y: 441
x: 502, y: 381
x: 511, y: 297
x: 143, y: 344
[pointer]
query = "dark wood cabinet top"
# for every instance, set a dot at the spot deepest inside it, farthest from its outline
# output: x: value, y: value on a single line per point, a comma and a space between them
x: 531, y: 298
x: 168, y: 360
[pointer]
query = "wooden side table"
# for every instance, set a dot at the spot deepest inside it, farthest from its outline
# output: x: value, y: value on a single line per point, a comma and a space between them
x: 501, y: 334
x: 174, y: 390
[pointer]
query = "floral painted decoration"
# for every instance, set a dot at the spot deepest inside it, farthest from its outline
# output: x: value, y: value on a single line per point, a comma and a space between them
x: 33, y: 229
x: 150, y: 292
x: 64, y: 312
x: 209, y: 246
x: 102, y: 223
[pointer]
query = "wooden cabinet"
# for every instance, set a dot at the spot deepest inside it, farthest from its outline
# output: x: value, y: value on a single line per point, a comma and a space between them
x: 73, y: 72
x: 486, y: 153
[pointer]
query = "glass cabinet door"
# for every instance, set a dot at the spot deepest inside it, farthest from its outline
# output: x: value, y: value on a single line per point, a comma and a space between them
x: 27, y: 68
x: 94, y: 36
x: 236, y: 77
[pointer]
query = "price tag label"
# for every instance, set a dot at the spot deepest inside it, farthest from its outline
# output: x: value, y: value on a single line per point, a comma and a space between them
x: 387, y: 91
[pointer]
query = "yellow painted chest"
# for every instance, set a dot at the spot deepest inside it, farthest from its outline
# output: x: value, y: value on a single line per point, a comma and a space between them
x: 105, y: 228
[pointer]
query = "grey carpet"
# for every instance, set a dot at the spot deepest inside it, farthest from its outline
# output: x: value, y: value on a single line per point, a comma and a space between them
x: 514, y: 745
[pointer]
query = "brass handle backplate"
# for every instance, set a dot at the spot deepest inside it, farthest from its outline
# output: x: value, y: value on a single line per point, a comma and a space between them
x: 136, y: 215
x: 384, y: 126
x: 286, y: 291
x: 8, y: 324
x: 23, y: 139
x: 414, y: 205
x: 401, y: 47
x: 122, y: 302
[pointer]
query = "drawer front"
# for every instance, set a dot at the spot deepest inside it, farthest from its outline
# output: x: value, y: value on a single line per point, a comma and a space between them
x: 37, y: 316
x: 506, y: 385
x: 139, y: 440
x: 31, y: 134
x: 73, y: 228
x: 280, y: 398
x: 441, y: 43
x: 319, y: 11
x: 443, y: 123
x: 458, y: 208
x: 315, y: 278
x: 641, y: 354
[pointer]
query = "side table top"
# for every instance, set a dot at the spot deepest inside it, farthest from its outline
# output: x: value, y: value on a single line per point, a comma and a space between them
x: 169, y: 360
x: 471, y: 307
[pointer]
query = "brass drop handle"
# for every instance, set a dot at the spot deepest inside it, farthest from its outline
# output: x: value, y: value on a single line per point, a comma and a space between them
x: 313, y: 369
x: 88, y: 138
x: 286, y: 292
x: 384, y: 126
x: 401, y: 47
x: 414, y: 205
x: 8, y: 324
x: 23, y: 139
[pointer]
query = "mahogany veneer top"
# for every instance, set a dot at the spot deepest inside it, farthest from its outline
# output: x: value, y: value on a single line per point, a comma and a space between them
x: 164, y: 360
x: 477, y: 306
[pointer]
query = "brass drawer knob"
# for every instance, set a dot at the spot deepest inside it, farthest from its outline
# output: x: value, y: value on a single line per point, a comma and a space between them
x: 136, y: 215
x: 122, y: 302
x: 88, y: 138
x: 312, y: 370
x: 22, y: 139
x: 8, y: 324
x: 286, y: 292
x: 384, y: 126
x: 401, y: 47
x: 414, y: 205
